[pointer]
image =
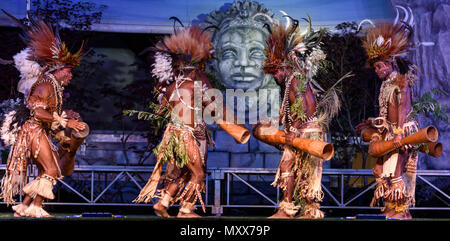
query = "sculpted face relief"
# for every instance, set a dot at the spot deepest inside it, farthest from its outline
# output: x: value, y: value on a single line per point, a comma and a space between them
x: 240, y: 57
x: 239, y: 37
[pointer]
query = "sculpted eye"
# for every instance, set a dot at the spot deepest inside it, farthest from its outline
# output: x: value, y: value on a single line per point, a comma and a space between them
x: 257, y: 53
x: 228, y: 54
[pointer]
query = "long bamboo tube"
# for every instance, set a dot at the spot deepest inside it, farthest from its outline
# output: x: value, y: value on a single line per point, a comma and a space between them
x: 434, y: 149
x: 427, y: 134
x: 240, y: 134
x: 320, y: 149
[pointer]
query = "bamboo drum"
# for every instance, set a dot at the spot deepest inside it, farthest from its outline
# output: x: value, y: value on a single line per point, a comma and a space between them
x: 427, y: 134
x: 320, y: 149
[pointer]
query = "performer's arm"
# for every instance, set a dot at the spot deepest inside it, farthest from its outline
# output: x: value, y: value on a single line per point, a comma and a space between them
x: 402, y: 107
x: 73, y: 115
x: 405, y: 95
x: 397, y: 128
x: 38, y: 105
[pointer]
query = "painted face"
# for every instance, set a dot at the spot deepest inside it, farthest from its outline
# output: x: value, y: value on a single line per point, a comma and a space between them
x: 64, y: 75
x: 240, y: 58
x: 382, y: 69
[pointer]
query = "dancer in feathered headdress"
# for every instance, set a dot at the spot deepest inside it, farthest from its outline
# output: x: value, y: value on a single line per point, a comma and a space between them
x: 45, y: 67
x: 294, y: 58
x: 386, y: 44
x: 179, y: 67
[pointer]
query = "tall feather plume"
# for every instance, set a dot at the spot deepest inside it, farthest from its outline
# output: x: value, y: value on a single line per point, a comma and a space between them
x: 43, y: 42
x: 281, y: 41
x: 191, y: 43
x: 17, y: 22
x: 276, y: 49
x: 46, y: 45
x: 386, y: 40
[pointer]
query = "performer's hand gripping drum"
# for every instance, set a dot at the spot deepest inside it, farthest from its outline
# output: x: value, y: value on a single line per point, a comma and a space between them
x: 426, y: 138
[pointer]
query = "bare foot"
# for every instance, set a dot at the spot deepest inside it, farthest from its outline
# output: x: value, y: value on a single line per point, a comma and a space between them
x: 280, y: 214
x: 161, y: 211
x: 17, y: 214
x: 188, y: 215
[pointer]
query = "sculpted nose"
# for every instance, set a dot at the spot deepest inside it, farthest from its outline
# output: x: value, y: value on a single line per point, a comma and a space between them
x: 242, y: 59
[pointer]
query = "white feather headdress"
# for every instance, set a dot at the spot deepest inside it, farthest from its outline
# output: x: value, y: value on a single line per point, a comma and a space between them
x: 29, y: 70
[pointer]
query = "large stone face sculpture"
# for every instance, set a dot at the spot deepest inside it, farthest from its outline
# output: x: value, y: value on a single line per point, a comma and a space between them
x: 239, y: 45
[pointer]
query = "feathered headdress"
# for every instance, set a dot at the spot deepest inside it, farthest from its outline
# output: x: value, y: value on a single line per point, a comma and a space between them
x: 288, y: 49
x: 45, y: 46
x: 275, y: 49
x: 188, y: 48
x: 389, y: 40
x: 385, y: 41
x: 44, y: 52
x: 289, y: 53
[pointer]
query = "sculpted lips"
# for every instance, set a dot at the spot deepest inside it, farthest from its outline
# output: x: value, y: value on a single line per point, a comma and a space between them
x: 243, y: 77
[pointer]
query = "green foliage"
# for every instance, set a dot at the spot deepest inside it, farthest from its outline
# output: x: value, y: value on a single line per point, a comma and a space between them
x: 301, y: 82
x: 173, y: 147
x: 297, y: 111
x: 158, y: 121
x: 324, y: 66
x: 427, y: 104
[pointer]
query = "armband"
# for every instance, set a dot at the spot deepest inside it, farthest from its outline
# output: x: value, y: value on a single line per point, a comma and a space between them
x: 35, y: 106
x: 59, y: 120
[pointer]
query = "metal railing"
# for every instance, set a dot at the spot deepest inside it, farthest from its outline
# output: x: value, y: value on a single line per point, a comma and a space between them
x: 225, y: 177
x: 340, y: 202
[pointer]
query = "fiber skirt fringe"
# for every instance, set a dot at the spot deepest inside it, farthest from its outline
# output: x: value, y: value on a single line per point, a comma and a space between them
x: 307, y: 171
x: 40, y: 186
x: 16, y: 166
x: 189, y: 191
x: 12, y: 185
x: 402, y: 193
x: 178, y: 146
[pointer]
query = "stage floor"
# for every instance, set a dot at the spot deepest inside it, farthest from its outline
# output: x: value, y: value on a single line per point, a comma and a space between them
x: 133, y: 217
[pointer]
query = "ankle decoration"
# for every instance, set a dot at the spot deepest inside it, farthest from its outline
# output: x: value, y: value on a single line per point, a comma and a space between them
x: 289, y: 208
x: 187, y: 207
x: 42, y: 186
x: 166, y: 199
x: 191, y: 190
